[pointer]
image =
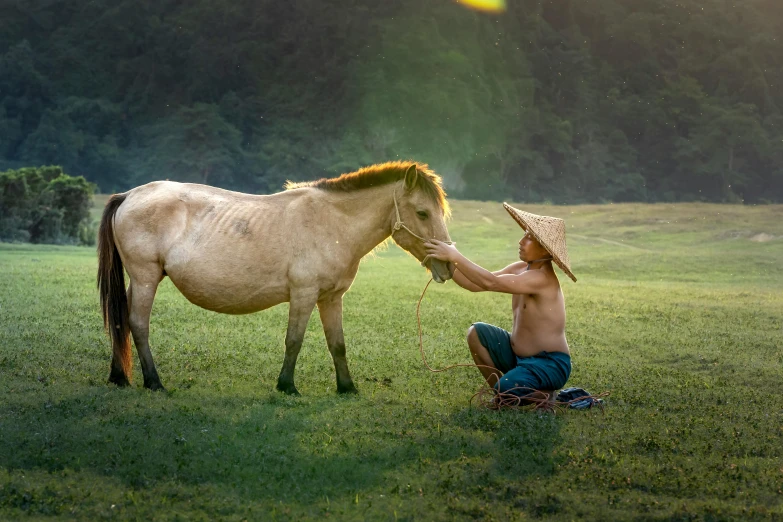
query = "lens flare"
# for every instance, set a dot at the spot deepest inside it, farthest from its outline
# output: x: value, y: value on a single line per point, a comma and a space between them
x: 489, y: 6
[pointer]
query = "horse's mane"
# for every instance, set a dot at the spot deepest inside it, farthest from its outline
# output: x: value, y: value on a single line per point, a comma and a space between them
x: 382, y: 174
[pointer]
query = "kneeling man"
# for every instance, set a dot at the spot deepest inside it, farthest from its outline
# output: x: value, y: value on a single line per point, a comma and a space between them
x: 535, y: 355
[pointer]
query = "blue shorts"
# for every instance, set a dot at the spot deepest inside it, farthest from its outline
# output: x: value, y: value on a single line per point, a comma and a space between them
x: 543, y: 371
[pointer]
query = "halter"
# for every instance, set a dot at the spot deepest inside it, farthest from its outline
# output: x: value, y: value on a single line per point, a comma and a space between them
x: 399, y: 224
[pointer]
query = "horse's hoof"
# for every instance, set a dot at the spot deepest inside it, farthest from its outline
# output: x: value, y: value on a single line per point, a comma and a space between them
x: 155, y: 386
x: 288, y: 389
x: 119, y: 379
x: 347, y: 389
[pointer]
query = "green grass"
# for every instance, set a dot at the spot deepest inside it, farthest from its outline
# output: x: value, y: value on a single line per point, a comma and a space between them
x: 677, y: 312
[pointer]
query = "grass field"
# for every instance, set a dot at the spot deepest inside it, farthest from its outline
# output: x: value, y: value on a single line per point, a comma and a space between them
x: 678, y: 312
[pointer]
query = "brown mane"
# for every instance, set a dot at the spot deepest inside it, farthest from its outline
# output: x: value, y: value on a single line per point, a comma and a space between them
x: 382, y: 174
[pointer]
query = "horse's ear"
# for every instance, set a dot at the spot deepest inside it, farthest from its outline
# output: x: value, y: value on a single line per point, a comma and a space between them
x: 411, y: 176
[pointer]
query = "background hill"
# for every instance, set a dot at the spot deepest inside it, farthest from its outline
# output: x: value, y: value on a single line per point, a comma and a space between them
x: 566, y: 101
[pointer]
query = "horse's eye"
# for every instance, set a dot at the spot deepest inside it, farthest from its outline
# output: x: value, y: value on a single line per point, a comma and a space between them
x: 422, y: 214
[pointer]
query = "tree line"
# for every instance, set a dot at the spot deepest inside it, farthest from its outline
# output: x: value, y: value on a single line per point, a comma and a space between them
x: 566, y: 101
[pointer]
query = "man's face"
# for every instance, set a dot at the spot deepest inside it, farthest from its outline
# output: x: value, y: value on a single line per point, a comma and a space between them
x: 530, y: 249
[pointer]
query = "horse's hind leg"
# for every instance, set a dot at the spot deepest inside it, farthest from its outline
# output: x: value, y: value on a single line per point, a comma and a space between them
x: 331, y: 311
x: 301, y: 307
x: 141, y: 294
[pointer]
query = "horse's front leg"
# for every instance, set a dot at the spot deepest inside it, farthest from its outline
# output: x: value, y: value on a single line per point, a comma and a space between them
x: 301, y: 307
x: 331, y: 311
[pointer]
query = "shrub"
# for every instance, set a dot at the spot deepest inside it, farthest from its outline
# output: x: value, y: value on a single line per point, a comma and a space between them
x: 45, y: 205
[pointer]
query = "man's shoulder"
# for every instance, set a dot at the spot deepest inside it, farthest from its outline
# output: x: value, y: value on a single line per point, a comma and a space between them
x: 546, y: 283
x: 517, y: 268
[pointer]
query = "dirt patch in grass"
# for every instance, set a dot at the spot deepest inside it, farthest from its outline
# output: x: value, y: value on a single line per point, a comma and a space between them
x: 763, y: 238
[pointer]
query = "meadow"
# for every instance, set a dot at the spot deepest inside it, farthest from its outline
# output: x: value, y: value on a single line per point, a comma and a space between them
x: 678, y: 312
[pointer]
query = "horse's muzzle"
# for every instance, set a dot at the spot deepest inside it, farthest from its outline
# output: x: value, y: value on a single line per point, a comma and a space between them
x: 441, y: 271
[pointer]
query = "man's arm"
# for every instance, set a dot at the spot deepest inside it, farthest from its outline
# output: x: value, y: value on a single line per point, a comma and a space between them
x: 515, y: 283
x: 464, y: 282
x: 510, y: 283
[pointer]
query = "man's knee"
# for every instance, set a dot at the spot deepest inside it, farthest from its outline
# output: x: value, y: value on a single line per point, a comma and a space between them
x: 474, y: 343
x: 477, y: 348
x: 473, y: 337
x: 471, y: 334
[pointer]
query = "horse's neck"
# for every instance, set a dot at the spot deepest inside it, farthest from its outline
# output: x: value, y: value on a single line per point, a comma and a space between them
x: 363, y: 218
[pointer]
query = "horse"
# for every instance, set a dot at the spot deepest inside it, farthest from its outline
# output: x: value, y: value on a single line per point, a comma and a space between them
x: 237, y: 253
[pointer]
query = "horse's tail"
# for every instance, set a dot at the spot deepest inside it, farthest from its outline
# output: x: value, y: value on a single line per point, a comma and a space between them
x: 114, y: 300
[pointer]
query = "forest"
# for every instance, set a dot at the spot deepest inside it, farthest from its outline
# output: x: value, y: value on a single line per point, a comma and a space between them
x: 558, y: 101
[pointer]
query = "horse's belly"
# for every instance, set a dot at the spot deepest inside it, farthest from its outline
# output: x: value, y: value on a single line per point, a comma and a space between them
x: 227, y: 291
x: 246, y: 301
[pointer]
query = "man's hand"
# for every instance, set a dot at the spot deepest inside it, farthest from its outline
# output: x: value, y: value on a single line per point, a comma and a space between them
x: 481, y: 279
x: 439, y: 250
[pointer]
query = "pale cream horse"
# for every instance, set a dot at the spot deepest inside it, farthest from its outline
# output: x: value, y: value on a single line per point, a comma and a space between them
x: 239, y: 253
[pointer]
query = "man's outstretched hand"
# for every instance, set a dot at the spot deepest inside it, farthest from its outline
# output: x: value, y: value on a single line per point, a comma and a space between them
x: 439, y: 250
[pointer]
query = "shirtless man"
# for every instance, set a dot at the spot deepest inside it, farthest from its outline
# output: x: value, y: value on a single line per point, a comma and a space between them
x: 535, y: 355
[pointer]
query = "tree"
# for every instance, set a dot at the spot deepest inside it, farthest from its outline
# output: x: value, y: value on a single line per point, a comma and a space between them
x: 45, y: 205
x: 195, y: 144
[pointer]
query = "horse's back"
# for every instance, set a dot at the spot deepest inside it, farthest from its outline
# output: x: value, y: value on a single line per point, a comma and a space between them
x: 224, y: 250
x: 158, y: 215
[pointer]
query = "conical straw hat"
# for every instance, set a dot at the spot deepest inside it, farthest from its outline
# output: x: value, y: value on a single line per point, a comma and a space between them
x: 548, y: 231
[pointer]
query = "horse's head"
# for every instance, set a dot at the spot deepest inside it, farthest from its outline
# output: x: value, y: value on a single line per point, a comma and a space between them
x: 423, y: 209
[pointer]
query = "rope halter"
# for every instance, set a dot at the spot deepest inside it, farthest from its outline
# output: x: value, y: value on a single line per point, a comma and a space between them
x: 399, y: 224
